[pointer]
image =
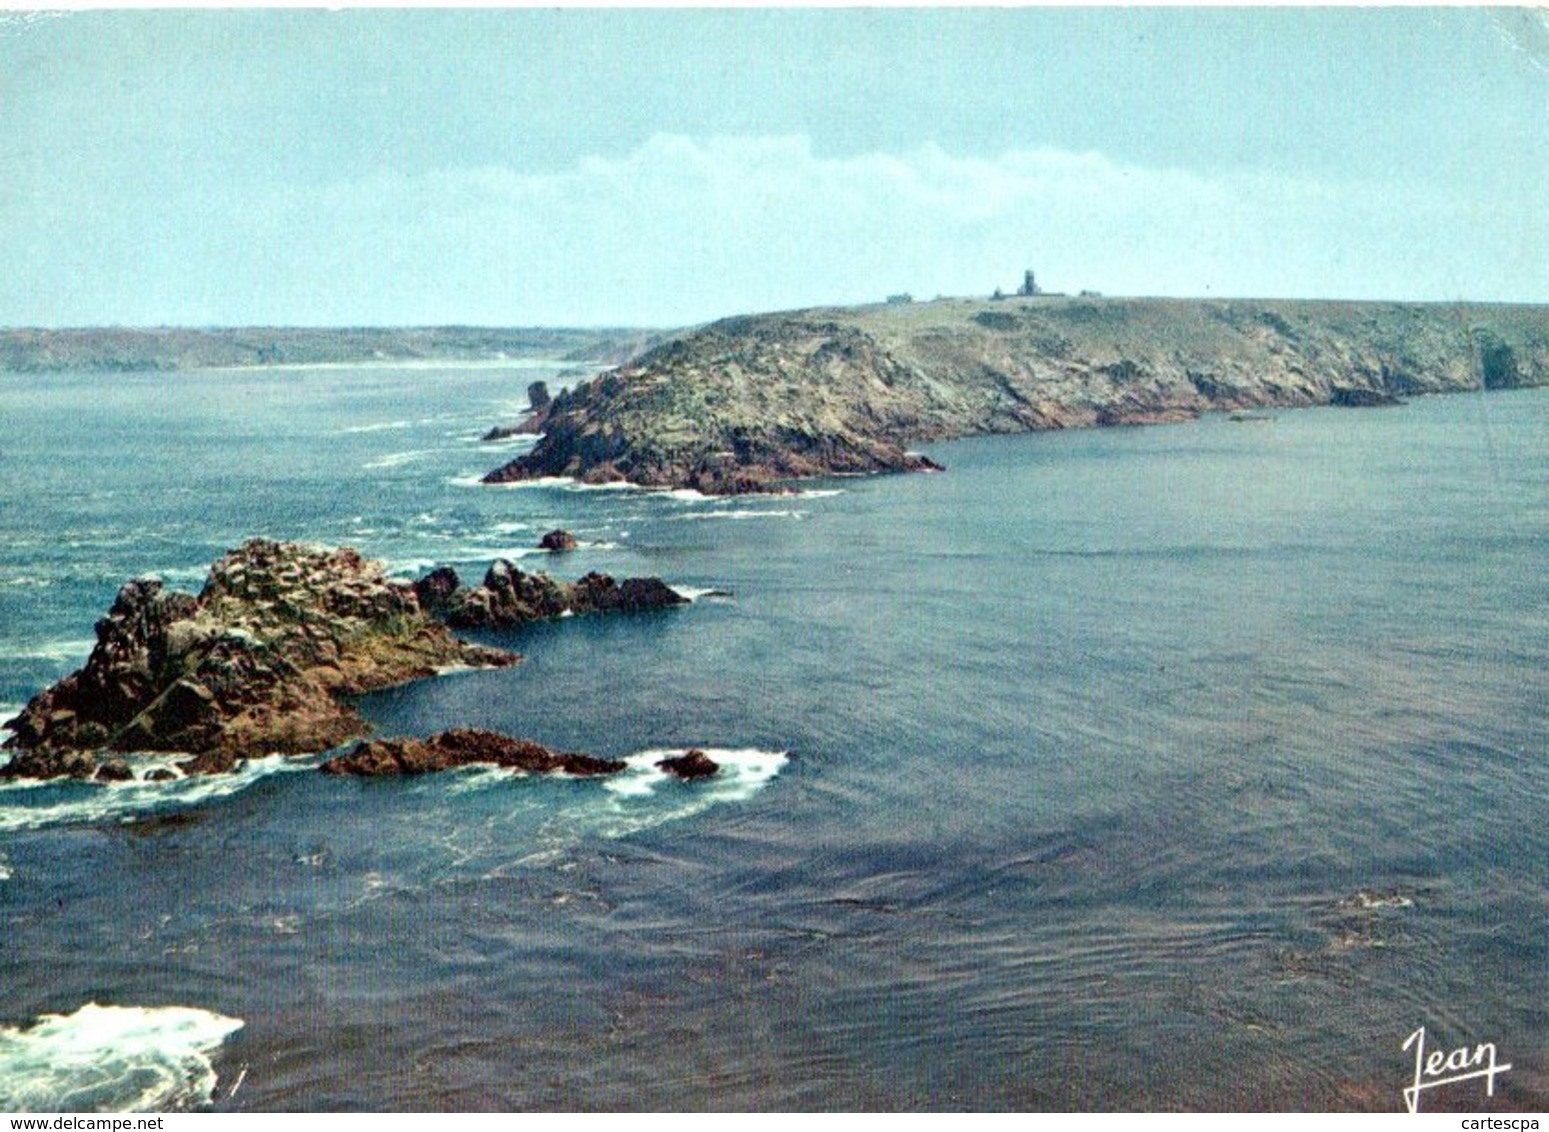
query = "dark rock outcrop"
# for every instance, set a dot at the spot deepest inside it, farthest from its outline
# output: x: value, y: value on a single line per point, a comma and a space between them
x: 257, y: 663
x: 745, y: 404
x: 538, y: 401
x: 435, y: 590
x: 509, y: 597
x: 690, y: 765
x: 462, y: 747
x: 557, y: 540
x: 1363, y: 398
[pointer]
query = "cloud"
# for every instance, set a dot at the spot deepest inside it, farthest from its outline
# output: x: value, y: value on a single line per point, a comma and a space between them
x: 683, y: 229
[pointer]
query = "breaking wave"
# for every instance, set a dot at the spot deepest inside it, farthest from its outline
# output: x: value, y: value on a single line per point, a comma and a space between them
x: 32, y: 804
x: 112, y: 1059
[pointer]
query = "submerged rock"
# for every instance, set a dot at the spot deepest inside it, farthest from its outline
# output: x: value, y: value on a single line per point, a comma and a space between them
x: 256, y: 664
x: 462, y: 747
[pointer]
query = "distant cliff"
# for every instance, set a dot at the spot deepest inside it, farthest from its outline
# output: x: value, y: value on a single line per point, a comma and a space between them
x: 746, y: 402
x: 115, y: 349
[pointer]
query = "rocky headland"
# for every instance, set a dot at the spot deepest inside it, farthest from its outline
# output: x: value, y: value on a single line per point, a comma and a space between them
x: 747, y: 403
x: 263, y: 660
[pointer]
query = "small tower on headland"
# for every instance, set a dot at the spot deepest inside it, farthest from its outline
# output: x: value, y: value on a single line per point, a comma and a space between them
x: 1029, y: 284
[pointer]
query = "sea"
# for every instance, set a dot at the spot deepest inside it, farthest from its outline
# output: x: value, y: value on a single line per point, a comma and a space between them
x: 1187, y: 767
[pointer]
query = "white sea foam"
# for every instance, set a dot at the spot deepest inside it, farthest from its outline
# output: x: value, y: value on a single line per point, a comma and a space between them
x: 744, y: 772
x: 380, y: 426
x: 185, y: 577
x: 397, y: 459
x: 468, y: 780
x: 69, y: 650
x: 618, y: 485
x: 27, y: 581
x: 36, y: 805
x: 409, y: 567
x: 460, y: 669
x: 112, y: 1059
x: 5, y: 868
x: 689, y: 495
x: 464, y: 554
x: 742, y: 514
x: 563, y: 483
x: 541, y: 481
x: 694, y: 593
x: 638, y: 798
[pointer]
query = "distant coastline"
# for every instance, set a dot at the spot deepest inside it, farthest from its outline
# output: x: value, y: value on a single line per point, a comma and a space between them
x: 169, y: 349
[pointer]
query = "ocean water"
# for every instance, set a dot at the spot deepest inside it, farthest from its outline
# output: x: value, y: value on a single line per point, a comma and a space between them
x: 1172, y: 768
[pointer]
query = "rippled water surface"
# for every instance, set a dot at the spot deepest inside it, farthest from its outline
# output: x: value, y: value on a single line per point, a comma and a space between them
x: 1185, y: 767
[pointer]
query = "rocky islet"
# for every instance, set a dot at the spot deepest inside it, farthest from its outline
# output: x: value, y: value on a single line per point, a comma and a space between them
x: 265, y: 658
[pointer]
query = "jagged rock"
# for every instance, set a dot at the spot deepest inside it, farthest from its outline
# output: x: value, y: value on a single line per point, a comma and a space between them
x: 504, y: 432
x: 49, y: 764
x: 160, y: 774
x: 435, y: 590
x: 599, y: 593
x: 538, y: 402
x: 748, y: 403
x: 256, y: 664
x: 557, y: 540
x: 462, y: 747
x: 510, y: 597
x: 690, y: 765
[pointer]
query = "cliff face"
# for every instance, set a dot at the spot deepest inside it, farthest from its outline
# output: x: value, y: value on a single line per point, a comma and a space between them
x: 749, y: 401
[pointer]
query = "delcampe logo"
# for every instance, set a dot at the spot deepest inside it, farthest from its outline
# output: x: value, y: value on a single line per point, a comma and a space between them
x: 1440, y: 1067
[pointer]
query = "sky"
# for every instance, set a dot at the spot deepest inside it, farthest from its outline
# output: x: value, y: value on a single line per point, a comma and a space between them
x: 661, y: 168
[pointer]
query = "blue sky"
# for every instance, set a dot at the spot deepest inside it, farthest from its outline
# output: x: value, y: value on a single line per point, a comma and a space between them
x: 665, y: 167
